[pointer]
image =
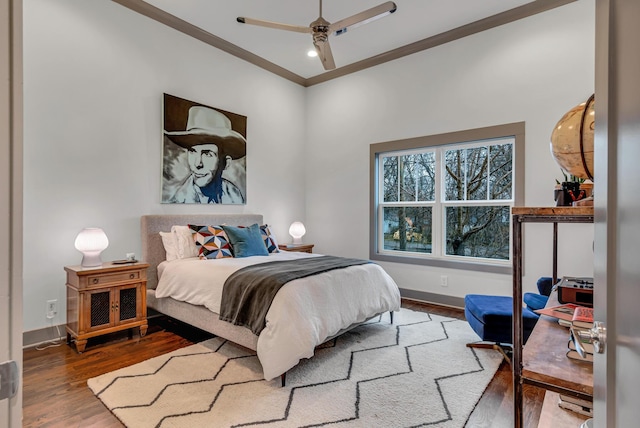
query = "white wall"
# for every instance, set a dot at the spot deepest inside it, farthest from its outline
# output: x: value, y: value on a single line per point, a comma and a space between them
x: 532, y: 70
x: 94, y: 77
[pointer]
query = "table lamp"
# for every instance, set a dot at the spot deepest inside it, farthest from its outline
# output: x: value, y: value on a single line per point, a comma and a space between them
x: 297, y: 231
x: 91, y: 241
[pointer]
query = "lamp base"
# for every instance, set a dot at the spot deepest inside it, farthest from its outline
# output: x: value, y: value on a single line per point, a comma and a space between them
x: 297, y: 241
x: 91, y: 260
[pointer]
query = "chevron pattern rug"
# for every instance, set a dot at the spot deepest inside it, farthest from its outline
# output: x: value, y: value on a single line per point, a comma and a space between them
x: 416, y: 372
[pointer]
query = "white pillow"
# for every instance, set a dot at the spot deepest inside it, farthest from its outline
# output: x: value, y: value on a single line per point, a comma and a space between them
x: 170, y: 245
x: 186, y: 244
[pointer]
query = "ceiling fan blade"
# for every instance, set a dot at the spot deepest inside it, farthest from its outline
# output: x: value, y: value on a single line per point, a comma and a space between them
x: 363, y: 17
x: 276, y: 25
x: 325, y: 55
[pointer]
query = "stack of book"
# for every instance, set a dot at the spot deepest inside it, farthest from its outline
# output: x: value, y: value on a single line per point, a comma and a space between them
x: 583, y: 407
x: 582, y: 322
x: 578, y: 317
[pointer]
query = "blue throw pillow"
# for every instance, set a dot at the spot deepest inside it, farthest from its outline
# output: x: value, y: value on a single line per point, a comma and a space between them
x: 246, y: 241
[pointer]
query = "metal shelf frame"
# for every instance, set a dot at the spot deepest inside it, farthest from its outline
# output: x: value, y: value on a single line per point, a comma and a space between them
x: 521, y: 215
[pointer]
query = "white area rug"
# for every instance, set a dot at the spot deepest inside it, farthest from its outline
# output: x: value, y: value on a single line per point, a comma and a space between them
x: 416, y: 372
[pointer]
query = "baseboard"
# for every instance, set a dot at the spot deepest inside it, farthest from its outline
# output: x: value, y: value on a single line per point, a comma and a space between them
x: 43, y: 335
x: 436, y: 299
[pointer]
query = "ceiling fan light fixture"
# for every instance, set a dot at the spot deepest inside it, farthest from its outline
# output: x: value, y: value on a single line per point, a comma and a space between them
x: 321, y: 28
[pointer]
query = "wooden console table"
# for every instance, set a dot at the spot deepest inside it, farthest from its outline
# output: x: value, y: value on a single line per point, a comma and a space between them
x: 546, y: 363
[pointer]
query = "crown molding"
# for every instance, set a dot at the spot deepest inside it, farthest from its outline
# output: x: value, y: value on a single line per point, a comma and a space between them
x: 506, y: 17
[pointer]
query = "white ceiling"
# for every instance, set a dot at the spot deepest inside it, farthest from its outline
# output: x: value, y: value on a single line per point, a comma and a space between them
x: 413, y: 21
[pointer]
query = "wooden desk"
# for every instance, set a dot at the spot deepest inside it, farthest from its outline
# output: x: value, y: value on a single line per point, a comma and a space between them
x: 545, y: 363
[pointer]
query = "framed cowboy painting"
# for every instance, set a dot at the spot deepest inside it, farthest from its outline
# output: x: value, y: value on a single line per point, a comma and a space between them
x: 204, y: 154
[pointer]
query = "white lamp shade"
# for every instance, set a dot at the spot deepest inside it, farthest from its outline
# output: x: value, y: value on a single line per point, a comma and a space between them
x: 91, y: 242
x: 297, y: 231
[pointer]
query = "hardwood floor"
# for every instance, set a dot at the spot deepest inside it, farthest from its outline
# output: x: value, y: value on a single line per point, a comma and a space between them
x: 55, y: 392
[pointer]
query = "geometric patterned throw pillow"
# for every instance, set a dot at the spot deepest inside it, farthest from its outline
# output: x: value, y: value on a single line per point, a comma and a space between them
x: 211, y: 241
x: 269, y: 239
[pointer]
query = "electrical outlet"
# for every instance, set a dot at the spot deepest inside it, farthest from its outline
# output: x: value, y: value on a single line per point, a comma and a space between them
x: 52, y: 308
x: 444, y: 281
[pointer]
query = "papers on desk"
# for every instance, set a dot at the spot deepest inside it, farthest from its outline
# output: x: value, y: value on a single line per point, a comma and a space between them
x: 562, y: 312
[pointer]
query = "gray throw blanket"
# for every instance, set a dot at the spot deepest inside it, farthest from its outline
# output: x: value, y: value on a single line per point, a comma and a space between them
x: 248, y: 292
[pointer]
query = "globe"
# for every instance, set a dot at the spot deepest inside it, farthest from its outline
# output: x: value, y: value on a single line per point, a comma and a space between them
x: 572, y: 140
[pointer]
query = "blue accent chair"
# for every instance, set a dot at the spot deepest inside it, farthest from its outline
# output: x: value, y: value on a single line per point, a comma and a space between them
x: 491, y: 317
x: 536, y: 301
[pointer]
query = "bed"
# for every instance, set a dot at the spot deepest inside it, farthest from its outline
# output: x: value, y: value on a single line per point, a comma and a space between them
x: 302, y: 314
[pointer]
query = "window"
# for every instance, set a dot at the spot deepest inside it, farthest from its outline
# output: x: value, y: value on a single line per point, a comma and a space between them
x: 446, y: 199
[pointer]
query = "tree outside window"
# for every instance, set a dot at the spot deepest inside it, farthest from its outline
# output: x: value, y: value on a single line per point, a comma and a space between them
x: 448, y: 201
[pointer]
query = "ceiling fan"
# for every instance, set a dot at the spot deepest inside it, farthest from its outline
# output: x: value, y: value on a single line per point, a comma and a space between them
x: 321, y: 28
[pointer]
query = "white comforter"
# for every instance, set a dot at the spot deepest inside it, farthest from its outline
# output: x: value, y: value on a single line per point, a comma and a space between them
x: 304, y: 313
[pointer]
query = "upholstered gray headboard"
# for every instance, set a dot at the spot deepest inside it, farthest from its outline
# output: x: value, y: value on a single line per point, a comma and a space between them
x: 150, y: 226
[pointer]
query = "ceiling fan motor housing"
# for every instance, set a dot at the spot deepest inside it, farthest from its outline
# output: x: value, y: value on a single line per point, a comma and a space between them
x: 320, y: 28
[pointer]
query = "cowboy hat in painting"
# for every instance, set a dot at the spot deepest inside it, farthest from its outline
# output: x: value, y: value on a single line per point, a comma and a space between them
x: 208, y: 126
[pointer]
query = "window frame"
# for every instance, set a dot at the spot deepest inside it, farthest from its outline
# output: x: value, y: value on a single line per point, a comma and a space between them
x: 377, y: 150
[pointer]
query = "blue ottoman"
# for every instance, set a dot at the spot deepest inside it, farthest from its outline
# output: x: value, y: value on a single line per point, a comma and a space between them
x: 490, y: 317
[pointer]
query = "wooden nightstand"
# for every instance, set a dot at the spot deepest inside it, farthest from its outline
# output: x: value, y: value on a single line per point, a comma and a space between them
x: 105, y: 299
x: 302, y: 248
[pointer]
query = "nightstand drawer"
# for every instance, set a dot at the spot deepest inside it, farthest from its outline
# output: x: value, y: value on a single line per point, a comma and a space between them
x: 105, y: 279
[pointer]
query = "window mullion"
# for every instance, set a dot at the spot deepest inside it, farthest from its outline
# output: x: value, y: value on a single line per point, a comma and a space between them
x: 436, y: 214
x: 399, y: 177
x: 465, y: 190
x: 489, y: 173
